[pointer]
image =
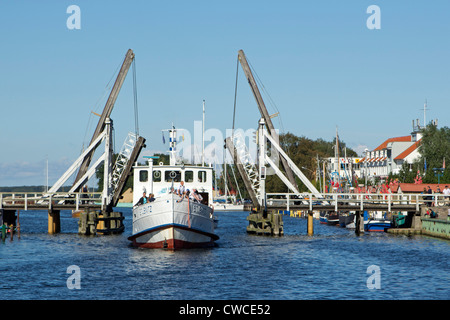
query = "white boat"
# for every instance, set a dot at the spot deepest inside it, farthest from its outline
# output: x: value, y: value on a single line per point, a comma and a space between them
x: 171, y: 221
x: 222, y: 206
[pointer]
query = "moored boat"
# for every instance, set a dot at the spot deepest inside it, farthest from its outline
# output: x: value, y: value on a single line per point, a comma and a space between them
x: 323, y: 218
x: 346, y: 219
x: 376, y: 222
x: 333, y: 219
x: 173, y: 217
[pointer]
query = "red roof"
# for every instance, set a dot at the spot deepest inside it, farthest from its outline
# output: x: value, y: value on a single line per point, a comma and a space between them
x: 405, y: 153
x: 416, y: 188
x: 398, y: 139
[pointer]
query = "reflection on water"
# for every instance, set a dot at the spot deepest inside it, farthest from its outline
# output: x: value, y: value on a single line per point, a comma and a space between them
x: 332, y: 264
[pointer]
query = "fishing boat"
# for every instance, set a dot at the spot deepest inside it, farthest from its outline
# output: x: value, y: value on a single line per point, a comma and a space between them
x: 170, y: 218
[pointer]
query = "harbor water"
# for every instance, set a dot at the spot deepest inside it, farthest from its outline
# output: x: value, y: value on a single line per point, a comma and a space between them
x: 334, y: 263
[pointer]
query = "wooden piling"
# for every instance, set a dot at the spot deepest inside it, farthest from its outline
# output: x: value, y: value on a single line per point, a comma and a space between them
x: 54, y: 221
x: 310, y: 223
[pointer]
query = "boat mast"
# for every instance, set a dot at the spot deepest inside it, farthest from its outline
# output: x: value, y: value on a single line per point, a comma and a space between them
x: 203, y: 135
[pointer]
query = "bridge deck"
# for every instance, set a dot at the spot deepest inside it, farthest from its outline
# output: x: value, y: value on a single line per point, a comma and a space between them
x: 353, y: 201
x: 50, y: 201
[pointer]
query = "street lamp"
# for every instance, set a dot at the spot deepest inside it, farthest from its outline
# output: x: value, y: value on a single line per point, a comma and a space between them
x: 438, y: 172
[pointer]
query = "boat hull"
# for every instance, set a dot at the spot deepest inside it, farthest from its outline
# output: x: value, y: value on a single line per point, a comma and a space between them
x: 377, y: 225
x: 347, y: 220
x: 173, y: 224
x: 323, y: 217
x: 333, y: 219
x: 228, y: 207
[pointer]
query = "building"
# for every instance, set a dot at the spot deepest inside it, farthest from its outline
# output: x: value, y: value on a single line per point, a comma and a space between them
x: 347, y: 168
x: 390, y: 156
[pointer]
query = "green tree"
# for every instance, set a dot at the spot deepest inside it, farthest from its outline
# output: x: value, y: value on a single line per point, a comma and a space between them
x: 434, y: 148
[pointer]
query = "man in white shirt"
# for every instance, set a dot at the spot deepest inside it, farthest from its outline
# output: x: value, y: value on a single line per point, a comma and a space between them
x: 181, y: 189
x: 446, y: 193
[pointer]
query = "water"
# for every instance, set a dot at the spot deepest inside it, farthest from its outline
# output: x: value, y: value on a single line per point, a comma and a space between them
x: 332, y: 264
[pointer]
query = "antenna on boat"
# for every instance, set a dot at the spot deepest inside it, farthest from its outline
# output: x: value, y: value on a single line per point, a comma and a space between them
x: 173, y: 145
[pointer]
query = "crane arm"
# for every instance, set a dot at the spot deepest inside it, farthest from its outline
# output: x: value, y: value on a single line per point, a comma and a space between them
x: 263, y: 110
x: 107, y: 111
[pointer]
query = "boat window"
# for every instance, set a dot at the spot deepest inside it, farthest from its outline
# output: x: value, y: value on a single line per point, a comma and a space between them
x: 202, y: 176
x: 188, y: 176
x: 172, y: 174
x: 157, y: 176
x: 143, y: 176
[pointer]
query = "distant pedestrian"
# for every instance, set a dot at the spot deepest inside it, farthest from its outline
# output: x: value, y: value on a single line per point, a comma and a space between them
x: 429, y: 198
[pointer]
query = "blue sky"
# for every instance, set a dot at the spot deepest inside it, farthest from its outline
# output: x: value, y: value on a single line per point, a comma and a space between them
x: 317, y: 59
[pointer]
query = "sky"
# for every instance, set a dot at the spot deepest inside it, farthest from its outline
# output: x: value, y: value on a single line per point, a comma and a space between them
x: 321, y: 65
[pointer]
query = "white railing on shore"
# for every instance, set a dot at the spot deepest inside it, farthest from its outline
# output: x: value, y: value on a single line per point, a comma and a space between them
x: 48, y: 199
x: 356, y: 199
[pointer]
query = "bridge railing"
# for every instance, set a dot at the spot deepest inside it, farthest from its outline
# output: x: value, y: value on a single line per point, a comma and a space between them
x: 24, y: 200
x: 359, y: 200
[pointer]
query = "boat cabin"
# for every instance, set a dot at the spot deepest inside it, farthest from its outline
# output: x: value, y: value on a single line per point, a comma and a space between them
x: 159, y: 179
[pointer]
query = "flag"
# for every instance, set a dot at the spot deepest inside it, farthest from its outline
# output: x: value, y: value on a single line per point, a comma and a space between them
x: 425, y: 164
x: 164, y: 140
x: 443, y: 164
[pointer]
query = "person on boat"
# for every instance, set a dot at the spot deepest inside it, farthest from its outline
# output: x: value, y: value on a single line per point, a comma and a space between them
x: 151, y: 197
x: 197, y: 197
x: 142, y: 200
x: 182, y: 189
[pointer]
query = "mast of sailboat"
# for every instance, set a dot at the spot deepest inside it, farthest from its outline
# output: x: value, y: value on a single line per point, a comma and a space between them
x: 337, y: 155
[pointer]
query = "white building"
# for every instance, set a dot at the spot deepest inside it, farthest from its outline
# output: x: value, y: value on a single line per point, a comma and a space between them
x: 389, y: 156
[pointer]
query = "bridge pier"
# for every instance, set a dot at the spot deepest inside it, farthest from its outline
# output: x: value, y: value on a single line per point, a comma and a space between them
x: 54, y: 221
x: 265, y: 223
